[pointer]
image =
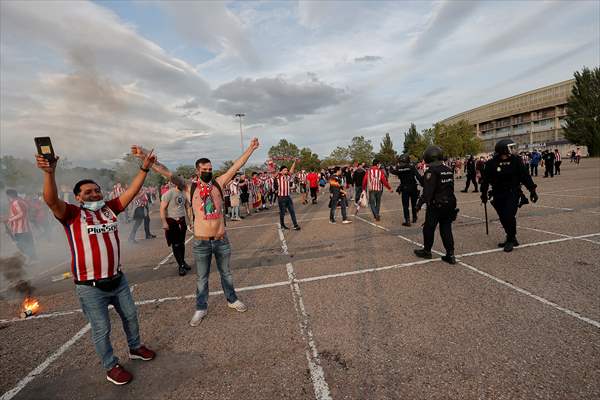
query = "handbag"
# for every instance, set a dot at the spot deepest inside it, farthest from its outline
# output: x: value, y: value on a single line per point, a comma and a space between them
x: 362, y: 201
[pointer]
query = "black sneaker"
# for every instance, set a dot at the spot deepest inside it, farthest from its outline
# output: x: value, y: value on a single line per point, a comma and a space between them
x: 297, y: 227
x: 508, y: 246
x: 406, y: 223
x: 422, y: 253
x: 181, y: 270
x: 514, y: 242
x: 187, y: 267
x: 449, y: 259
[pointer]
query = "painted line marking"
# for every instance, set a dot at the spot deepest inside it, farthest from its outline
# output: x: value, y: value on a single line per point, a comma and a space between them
x: 284, y: 247
x: 317, y: 374
x: 533, y: 296
x: 164, y: 260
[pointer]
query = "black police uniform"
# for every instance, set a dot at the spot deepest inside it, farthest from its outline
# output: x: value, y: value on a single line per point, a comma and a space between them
x: 506, y: 177
x: 549, y: 158
x: 471, y: 174
x: 409, y: 178
x: 438, y: 194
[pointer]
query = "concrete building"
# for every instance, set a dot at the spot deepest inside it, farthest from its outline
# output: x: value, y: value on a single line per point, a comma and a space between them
x: 532, y: 119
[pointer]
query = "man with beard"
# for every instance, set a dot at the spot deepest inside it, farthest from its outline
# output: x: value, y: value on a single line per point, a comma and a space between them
x: 282, y: 185
x: 206, y: 199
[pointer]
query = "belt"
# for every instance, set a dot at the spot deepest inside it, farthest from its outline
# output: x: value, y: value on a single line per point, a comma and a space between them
x: 93, y: 282
x: 209, y: 237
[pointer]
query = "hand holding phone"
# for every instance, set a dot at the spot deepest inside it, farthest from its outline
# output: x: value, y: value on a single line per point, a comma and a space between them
x: 44, y: 148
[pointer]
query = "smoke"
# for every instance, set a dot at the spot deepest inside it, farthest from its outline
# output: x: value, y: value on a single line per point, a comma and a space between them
x: 14, y: 277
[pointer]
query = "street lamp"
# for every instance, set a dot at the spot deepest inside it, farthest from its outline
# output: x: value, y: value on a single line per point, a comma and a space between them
x: 241, y: 136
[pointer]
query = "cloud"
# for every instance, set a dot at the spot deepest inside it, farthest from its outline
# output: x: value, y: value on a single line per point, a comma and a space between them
x: 446, y: 18
x: 367, y: 59
x: 211, y: 25
x: 276, y: 100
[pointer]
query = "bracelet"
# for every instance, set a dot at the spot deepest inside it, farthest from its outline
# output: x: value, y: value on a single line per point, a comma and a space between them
x: 145, y: 169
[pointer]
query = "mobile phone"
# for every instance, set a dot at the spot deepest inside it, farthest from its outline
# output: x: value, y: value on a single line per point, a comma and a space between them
x: 44, y: 147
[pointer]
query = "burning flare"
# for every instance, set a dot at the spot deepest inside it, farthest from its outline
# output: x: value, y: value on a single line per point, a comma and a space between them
x: 29, y: 307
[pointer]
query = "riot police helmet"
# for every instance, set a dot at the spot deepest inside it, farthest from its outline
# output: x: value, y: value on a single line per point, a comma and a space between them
x: 433, y: 153
x: 404, y: 158
x: 504, y: 146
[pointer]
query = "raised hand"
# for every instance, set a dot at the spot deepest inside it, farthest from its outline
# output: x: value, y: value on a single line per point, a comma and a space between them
x: 254, y: 143
x: 45, y: 165
x: 149, y: 160
x: 138, y: 151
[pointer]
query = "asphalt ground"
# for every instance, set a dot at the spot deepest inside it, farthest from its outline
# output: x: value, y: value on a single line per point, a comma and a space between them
x: 346, y: 311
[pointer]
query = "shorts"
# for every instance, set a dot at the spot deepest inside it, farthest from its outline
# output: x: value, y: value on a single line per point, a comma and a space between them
x: 244, y: 197
x: 235, y: 200
x: 303, y: 188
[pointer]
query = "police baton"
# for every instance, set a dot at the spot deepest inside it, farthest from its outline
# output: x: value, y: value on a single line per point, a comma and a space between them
x: 487, y: 229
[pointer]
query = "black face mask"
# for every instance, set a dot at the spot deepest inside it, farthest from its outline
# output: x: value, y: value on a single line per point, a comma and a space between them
x: 206, y: 176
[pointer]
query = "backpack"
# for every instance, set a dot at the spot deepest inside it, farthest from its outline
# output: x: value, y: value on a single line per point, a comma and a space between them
x: 193, y: 189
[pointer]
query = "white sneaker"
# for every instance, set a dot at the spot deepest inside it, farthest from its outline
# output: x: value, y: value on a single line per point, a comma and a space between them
x: 237, y: 306
x: 346, y: 221
x: 198, y: 317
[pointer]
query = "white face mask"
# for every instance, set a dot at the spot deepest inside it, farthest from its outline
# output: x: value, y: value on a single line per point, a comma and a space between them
x: 93, y: 205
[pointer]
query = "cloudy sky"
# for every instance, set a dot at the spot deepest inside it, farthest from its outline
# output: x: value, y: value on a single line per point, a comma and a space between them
x: 99, y: 76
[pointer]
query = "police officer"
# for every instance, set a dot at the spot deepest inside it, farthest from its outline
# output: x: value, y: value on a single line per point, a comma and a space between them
x: 471, y: 174
x: 506, y: 172
x: 548, y: 158
x: 409, y: 178
x: 438, y: 194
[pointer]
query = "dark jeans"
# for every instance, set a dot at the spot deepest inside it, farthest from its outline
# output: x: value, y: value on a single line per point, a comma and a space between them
x: 313, y: 193
x: 375, y: 201
x: 412, y: 197
x: 203, y: 251
x: 176, y: 238
x: 471, y: 178
x: 24, y: 242
x: 432, y: 218
x: 285, y: 203
x: 533, y: 167
x: 335, y: 197
x: 136, y: 225
x: 94, y: 303
x: 357, y: 192
x: 557, y: 167
x: 506, y: 204
x: 549, y: 170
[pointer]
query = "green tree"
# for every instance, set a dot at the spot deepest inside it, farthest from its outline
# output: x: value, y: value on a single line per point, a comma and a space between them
x: 387, y: 155
x: 309, y: 160
x: 424, y: 139
x: 410, y: 138
x: 284, y: 149
x: 458, y: 139
x: 583, y: 111
x: 186, y: 171
x: 339, y: 156
x: 361, y: 150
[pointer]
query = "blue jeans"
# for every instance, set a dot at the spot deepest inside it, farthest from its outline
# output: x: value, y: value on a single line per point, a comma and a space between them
x: 203, y: 251
x: 94, y: 303
x: 375, y: 201
x: 285, y: 203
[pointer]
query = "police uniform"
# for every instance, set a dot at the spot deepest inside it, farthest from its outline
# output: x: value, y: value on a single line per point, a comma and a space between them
x: 471, y: 174
x: 438, y: 194
x: 505, y: 175
x: 548, y: 158
x: 409, y: 178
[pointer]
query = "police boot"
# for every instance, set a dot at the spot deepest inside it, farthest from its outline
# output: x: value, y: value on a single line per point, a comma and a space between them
x: 422, y: 253
x: 449, y: 258
x: 406, y: 223
x: 514, y: 242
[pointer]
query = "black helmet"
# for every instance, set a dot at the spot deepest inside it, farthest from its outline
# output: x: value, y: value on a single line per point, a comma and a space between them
x: 404, y: 158
x: 503, y: 146
x: 433, y: 153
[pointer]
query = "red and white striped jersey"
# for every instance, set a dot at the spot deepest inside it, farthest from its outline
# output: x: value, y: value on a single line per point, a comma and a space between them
x: 283, y: 185
x: 525, y: 159
x: 93, y: 237
x: 375, y: 180
x: 556, y: 156
x: 302, y: 177
x: 234, y: 188
x: 141, y: 199
x: 18, y: 220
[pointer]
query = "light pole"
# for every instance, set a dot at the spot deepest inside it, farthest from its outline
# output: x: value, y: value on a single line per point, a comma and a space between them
x: 241, y: 135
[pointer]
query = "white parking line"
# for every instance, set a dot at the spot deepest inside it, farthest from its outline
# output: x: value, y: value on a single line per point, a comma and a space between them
x: 164, y: 260
x: 284, y: 247
x: 317, y: 374
x: 533, y: 296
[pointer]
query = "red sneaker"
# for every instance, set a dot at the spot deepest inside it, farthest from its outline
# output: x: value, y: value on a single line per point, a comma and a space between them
x: 118, y: 375
x: 142, y: 353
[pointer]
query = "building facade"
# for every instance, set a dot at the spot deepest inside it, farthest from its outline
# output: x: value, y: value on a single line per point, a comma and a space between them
x: 534, y: 119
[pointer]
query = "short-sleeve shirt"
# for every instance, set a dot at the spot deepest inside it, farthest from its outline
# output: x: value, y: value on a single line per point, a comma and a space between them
x: 21, y: 224
x: 176, y: 203
x: 93, y: 237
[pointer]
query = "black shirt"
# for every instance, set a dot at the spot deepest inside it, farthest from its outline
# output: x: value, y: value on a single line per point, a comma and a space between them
x: 409, y: 176
x: 506, y: 174
x: 438, y: 186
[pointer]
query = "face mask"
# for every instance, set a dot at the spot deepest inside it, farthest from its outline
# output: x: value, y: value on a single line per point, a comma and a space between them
x: 206, y: 176
x: 93, y: 205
